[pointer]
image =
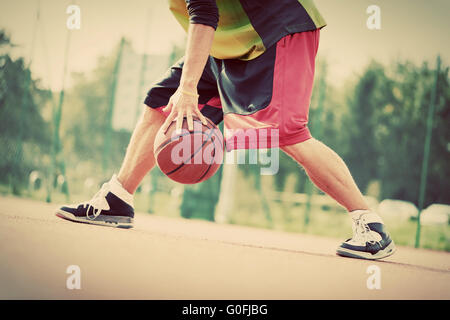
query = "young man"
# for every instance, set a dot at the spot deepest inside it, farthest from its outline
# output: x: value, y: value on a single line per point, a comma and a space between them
x: 249, y: 63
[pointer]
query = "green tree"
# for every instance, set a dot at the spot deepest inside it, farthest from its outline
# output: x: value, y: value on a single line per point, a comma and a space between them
x: 401, y: 135
x: 84, y: 119
x: 24, y: 134
x: 371, y: 93
x: 200, y: 200
x: 385, y: 126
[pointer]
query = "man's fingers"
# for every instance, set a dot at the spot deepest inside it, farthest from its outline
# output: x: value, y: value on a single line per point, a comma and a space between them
x: 180, y: 117
x: 190, y: 121
x: 201, y: 116
x: 168, y: 121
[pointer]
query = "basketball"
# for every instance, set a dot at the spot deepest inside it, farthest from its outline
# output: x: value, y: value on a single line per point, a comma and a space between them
x: 189, y: 157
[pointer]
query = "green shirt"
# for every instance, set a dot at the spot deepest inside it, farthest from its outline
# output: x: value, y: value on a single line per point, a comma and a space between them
x: 247, y: 27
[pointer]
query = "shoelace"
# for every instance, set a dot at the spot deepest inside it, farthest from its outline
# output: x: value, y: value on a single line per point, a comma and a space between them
x: 96, y: 202
x: 362, y: 232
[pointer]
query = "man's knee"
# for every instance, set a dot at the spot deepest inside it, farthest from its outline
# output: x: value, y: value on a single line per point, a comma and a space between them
x: 299, y: 150
x: 152, y: 116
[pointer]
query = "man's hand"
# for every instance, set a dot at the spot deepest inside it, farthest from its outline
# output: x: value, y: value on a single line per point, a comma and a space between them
x: 185, y: 100
x: 182, y: 103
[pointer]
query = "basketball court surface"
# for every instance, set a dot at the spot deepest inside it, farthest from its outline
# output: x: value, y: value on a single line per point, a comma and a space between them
x: 167, y: 258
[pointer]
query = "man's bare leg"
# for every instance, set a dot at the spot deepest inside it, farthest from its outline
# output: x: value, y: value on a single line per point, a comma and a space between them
x: 328, y: 172
x: 139, y: 158
x: 113, y: 205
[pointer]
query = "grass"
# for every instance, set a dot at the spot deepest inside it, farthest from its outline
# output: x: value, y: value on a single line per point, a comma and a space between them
x: 326, y: 221
x: 336, y: 224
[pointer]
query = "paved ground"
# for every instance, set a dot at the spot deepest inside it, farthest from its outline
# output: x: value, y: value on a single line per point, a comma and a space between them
x: 163, y: 258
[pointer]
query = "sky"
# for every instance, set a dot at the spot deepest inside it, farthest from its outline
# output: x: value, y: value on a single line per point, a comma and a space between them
x: 416, y: 30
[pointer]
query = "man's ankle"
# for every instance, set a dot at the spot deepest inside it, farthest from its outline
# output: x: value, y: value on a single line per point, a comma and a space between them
x: 117, y: 188
x: 368, y: 214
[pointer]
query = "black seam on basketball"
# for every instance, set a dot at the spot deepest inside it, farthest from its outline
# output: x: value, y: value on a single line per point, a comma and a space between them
x: 192, y: 155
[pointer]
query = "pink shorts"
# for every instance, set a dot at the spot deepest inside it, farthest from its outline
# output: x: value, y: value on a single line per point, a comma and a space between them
x: 263, y: 102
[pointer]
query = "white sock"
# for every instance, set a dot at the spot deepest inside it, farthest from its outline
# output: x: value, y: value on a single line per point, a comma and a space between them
x: 118, y: 190
x: 369, y: 216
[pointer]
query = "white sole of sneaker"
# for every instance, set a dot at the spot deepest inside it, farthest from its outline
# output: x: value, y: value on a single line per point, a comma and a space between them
x: 386, y: 252
x: 115, y: 222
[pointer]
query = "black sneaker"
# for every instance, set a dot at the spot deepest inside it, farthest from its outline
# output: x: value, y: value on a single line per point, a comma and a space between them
x: 105, y: 209
x: 370, y: 239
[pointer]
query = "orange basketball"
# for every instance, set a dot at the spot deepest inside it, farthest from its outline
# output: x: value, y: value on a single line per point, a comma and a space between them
x: 189, y: 156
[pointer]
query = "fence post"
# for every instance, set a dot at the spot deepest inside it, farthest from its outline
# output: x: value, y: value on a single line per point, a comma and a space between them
x: 426, y: 151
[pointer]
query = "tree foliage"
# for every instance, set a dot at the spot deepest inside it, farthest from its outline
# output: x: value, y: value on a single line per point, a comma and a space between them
x: 24, y: 134
x: 85, y: 118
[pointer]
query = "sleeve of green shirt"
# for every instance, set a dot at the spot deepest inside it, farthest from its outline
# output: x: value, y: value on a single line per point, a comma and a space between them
x: 203, y: 12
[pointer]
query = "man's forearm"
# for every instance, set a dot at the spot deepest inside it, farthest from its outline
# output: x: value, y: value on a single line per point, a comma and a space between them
x: 200, y: 38
x: 203, y: 17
